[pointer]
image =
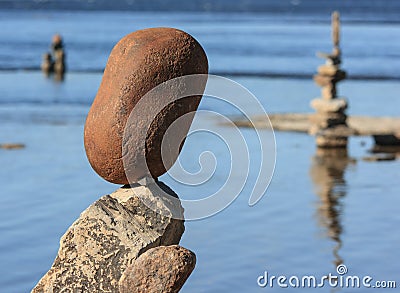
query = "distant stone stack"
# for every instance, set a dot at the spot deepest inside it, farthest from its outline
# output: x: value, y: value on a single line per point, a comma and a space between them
x: 54, y: 62
x: 329, y: 123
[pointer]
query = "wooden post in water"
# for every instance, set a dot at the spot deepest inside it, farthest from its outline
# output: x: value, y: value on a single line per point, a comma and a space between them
x: 329, y: 123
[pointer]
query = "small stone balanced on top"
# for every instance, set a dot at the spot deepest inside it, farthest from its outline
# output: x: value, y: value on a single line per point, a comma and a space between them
x: 329, y: 123
x: 137, y: 64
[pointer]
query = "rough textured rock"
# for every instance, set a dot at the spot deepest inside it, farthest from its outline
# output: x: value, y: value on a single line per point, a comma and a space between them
x: 138, y: 63
x: 162, y: 269
x: 106, y: 238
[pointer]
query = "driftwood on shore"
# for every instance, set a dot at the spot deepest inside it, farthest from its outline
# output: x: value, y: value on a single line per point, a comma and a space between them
x: 127, y: 241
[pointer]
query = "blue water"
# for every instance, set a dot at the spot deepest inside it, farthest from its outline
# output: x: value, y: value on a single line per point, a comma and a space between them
x: 236, y: 43
x: 315, y: 214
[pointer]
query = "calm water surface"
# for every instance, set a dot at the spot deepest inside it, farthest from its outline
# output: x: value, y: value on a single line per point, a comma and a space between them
x: 318, y: 211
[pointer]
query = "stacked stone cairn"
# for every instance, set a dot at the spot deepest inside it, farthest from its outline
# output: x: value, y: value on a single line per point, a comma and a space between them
x: 127, y: 241
x: 54, y: 62
x: 329, y: 123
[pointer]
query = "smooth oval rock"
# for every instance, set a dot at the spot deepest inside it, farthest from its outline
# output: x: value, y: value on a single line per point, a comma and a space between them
x: 137, y: 64
x: 162, y: 269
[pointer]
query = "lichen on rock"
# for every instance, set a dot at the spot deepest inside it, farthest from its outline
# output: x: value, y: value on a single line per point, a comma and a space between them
x: 107, y: 237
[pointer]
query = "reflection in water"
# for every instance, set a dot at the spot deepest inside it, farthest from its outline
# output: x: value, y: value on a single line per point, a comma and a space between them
x: 59, y: 76
x: 327, y: 173
x: 388, y: 149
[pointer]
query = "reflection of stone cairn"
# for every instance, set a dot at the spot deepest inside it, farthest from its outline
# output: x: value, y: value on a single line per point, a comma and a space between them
x: 327, y: 173
x: 329, y: 123
x: 127, y: 241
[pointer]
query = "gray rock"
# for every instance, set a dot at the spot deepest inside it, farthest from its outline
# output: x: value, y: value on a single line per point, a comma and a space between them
x: 107, y: 237
x: 162, y: 269
x: 325, y: 120
x: 325, y: 106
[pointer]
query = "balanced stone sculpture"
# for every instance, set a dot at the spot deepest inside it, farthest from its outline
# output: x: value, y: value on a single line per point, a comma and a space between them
x: 110, y: 238
x: 137, y: 64
x: 54, y: 62
x: 329, y: 123
x: 47, y: 65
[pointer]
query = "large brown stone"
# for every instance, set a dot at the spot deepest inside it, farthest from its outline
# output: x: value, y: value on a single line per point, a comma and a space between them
x: 137, y: 64
x: 107, y: 237
x: 162, y: 269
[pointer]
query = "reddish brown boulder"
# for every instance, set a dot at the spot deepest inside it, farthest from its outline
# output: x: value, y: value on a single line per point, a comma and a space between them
x: 163, y: 269
x: 137, y: 64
